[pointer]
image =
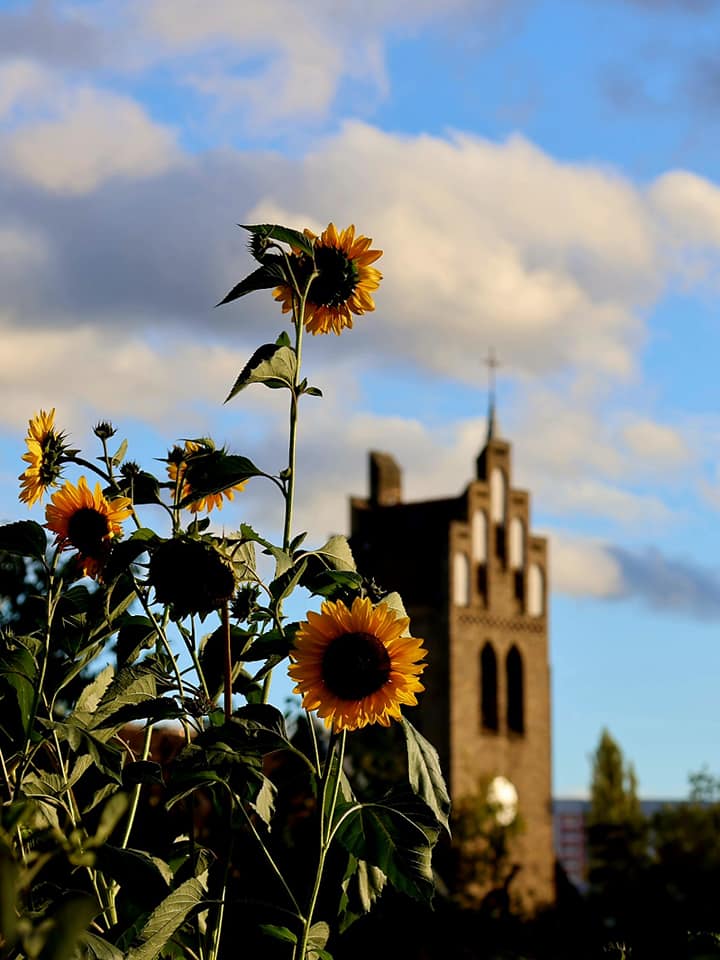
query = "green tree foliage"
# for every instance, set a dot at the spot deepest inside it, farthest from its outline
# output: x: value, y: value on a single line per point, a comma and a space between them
x: 613, y: 788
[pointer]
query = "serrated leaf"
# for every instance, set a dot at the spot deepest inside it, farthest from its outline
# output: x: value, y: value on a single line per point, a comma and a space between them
x: 100, y: 949
x: 362, y: 885
x: 167, y: 917
x: 273, y: 365
x: 425, y: 775
x: 131, y: 686
x: 267, y: 276
x: 264, y: 802
x: 274, y: 231
x: 391, y: 841
x: 93, y: 693
x: 24, y: 538
x: 284, y: 585
x: 215, y: 472
x: 318, y: 936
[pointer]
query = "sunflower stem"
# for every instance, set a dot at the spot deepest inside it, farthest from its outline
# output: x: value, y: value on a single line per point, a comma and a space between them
x: 227, y: 637
x: 299, y: 323
x: 330, y: 789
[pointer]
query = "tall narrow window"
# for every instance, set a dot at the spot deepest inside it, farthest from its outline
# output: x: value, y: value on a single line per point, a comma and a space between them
x: 488, y: 688
x: 517, y: 543
x: 479, y: 536
x: 498, y: 495
x: 536, y: 591
x: 461, y: 579
x: 515, y: 691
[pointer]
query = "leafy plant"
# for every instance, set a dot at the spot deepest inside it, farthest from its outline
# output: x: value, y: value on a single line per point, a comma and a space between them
x: 154, y: 803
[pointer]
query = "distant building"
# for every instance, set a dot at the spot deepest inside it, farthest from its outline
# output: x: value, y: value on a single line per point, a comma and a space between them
x: 473, y: 578
x: 570, y: 834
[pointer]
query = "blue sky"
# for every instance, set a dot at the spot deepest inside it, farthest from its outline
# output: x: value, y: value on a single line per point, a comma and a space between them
x: 543, y: 178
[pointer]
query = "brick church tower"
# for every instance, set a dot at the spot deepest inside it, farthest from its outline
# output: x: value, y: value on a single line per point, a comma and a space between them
x: 473, y: 579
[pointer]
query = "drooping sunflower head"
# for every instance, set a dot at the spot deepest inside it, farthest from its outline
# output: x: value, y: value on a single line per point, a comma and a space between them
x: 344, y: 281
x: 46, y: 448
x: 85, y: 520
x: 191, y: 576
x: 191, y: 462
x: 354, y: 665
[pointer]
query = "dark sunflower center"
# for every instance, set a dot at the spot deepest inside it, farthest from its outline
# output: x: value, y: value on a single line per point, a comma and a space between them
x: 336, y: 280
x: 355, y: 665
x: 87, y: 529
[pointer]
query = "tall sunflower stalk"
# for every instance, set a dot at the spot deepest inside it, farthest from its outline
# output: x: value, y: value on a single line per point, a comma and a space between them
x: 261, y: 832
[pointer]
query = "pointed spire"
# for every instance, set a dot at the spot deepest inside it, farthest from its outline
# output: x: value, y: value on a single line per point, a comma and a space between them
x: 481, y: 466
x: 492, y: 363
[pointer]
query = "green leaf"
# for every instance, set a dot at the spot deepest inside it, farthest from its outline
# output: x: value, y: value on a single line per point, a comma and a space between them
x: 273, y: 365
x: 391, y: 841
x: 215, y: 472
x: 141, y: 487
x: 119, y: 455
x: 264, y: 802
x: 93, y: 693
x: 274, y: 231
x: 133, y: 685
x: 318, y: 936
x: 283, y: 339
x: 142, y: 771
x: 69, y: 923
x: 284, y: 585
x: 100, y: 949
x: 425, y: 775
x: 145, y: 880
x: 19, y: 669
x: 136, y: 633
x: 270, y: 274
x: 112, y: 813
x: 168, y: 917
x: 313, y: 392
x: 362, y: 885
x: 278, y: 933
x: 24, y: 538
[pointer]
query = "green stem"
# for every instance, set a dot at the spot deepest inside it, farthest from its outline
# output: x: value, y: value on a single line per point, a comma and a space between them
x: 299, y: 323
x: 50, y: 603
x: 227, y: 638
x: 326, y: 833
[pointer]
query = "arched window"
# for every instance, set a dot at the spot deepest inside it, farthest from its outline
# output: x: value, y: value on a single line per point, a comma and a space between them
x: 461, y: 579
x: 479, y: 536
x: 498, y: 495
x: 488, y: 688
x: 536, y: 591
x: 515, y: 691
x: 517, y: 544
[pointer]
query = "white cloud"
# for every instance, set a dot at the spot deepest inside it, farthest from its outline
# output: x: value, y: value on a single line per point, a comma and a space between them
x: 583, y: 568
x: 656, y: 442
x: 96, y: 135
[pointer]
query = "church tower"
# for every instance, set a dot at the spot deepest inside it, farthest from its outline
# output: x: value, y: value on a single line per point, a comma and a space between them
x: 474, y: 581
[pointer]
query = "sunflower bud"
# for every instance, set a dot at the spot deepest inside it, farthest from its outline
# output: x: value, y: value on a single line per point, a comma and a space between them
x: 103, y: 430
x: 191, y: 576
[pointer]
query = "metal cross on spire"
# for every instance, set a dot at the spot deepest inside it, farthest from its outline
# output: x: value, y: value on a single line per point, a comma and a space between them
x: 492, y: 363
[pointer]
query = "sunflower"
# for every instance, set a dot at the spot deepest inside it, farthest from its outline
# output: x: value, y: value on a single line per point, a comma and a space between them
x: 355, y: 666
x: 344, y: 282
x: 177, y: 468
x: 82, y: 518
x: 46, y: 448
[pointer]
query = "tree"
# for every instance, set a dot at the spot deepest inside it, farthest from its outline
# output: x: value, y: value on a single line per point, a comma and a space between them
x: 613, y: 787
x: 617, y: 839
